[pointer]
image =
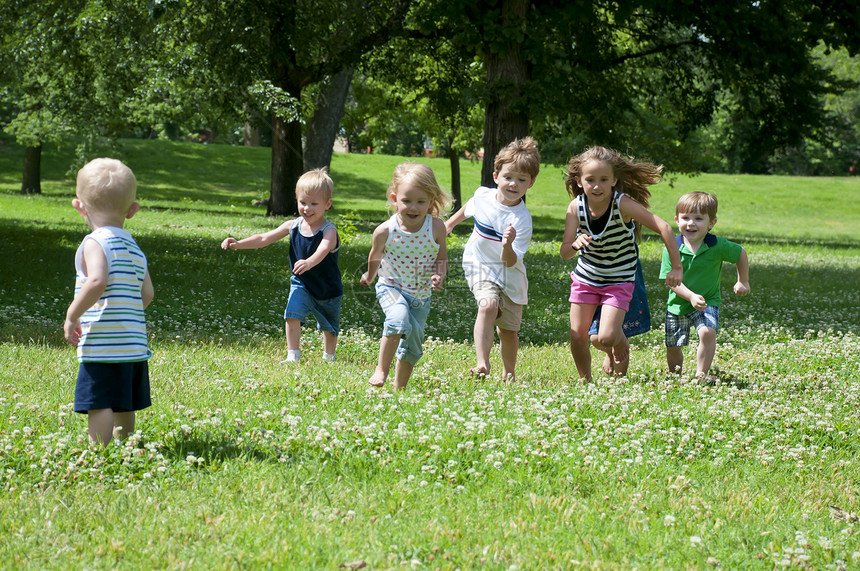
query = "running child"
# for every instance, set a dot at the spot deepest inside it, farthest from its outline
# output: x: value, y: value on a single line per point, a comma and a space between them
x: 696, y: 301
x: 105, y: 321
x: 410, y: 256
x: 609, y: 195
x: 315, y: 283
x: 493, y: 255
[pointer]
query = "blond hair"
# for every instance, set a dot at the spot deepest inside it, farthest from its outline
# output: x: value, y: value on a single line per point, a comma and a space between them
x: 522, y: 154
x: 633, y: 177
x: 313, y: 181
x: 697, y: 202
x: 423, y: 178
x: 106, y: 185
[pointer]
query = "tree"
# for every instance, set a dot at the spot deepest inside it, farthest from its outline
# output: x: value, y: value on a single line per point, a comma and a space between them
x: 440, y: 87
x: 275, y: 49
x: 589, y: 69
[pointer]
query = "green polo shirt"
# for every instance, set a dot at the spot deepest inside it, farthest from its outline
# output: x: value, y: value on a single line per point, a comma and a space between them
x: 701, y: 271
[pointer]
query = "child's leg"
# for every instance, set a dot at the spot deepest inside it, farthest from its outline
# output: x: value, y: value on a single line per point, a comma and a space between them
x: 123, y: 423
x: 329, y: 342
x: 488, y: 310
x: 707, y: 349
x: 402, y: 373
x: 608, y: 366
x: 611, y: 335
x: 675, y: 359
x: 580, y: 321
x: 509, y: 346
x: 100, y: 425
x: 387, y: 347
x: 294, y: 333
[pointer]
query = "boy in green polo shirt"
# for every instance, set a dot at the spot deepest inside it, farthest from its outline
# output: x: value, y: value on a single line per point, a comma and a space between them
x: 696, y: 301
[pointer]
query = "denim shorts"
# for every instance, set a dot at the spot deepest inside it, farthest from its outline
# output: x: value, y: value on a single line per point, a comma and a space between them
x: 122, y: 387
x: 404, y: 315
x: 678, y: 326
x: 301, y: 303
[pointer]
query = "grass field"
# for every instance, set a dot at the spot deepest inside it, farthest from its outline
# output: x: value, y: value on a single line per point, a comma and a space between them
x: 244, y: 463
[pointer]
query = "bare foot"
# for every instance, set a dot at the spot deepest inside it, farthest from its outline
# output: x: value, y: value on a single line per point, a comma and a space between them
x: 621, y: 358
x: 509, y: 377
x: 479, y: 371
x: 607, y: 364
x: 378, y: 379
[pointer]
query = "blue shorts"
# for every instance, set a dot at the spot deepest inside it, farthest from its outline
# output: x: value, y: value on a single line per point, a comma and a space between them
x: 301, y: 303
x: 406, y: 316
x: 678, y: 326
x: 122, y: 387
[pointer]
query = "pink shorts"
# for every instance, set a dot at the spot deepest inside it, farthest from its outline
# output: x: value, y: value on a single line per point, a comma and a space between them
x: 616, y: 295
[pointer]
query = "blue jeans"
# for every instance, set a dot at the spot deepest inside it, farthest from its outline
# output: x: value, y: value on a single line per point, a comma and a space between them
x: 404, y: 315
x: 301, y: 303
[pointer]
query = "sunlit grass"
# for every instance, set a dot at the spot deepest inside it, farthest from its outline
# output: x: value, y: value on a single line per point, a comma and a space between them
x: 242, y: 462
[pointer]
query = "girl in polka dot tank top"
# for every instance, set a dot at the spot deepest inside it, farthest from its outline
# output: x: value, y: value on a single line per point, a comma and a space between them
x: 409, y: 254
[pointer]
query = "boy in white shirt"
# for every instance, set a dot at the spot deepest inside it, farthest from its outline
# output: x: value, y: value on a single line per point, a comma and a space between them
x: 493, y: 255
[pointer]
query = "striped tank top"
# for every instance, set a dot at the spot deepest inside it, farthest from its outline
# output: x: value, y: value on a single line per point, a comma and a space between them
x: 114, y: 328
x: 410, y: 258
x: 611, y: 256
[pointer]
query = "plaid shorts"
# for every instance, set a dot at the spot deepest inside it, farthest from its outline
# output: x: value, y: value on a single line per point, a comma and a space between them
x: 678, y: 326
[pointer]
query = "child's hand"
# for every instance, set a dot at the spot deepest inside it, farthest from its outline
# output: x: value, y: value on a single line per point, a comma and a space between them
x: 674, y: 277
x: 582, y: 241
x: 698, y: 302
x: 365, y: 279
x: 509, y: 236
x: 436, y: 281
x: 72, y: 331
x: 227, y: 243
x: 742, y: 288
x: 300, y: 267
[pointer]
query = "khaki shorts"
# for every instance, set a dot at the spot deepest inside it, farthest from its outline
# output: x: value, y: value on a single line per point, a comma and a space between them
x: 510, y: 315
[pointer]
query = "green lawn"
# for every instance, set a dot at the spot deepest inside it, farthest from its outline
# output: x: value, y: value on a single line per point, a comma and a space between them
x: 242, y: 462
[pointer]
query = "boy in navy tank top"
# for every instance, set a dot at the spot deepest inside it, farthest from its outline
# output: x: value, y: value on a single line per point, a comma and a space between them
x: 315, y: 284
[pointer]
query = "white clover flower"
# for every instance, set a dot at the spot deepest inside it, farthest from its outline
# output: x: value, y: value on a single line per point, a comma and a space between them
x: 695, y: 540
x: 669, y: 520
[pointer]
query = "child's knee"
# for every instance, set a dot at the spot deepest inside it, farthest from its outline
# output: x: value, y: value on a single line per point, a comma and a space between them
x: 707, y: 334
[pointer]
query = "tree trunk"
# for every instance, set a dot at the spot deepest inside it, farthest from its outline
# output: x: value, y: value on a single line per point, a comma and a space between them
x: 325, y: 124
x: 31, y: 182
x: 506, y: 116
x: 454, y: 159
x: 286, y: 166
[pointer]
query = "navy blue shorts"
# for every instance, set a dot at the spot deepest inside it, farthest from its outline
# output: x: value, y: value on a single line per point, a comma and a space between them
x: 122, y: 387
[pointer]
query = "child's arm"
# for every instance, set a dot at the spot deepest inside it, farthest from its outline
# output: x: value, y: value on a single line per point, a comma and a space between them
x: 440, y: 233
x: 374, y: 258
x: 458, y: 217
x: 327, y: 244
x: 630, y: 209
x: 95, y: 265
x: 742, y: 287
x: 570, y: 243
x: 258, y: 240
x: 696, y: 300
x: 146, y: 290
x: 509, y: 257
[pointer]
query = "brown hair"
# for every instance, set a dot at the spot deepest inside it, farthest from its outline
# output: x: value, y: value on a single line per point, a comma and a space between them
x: 634, y: 177
x: 522, y: 154
x: 698, y: 203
